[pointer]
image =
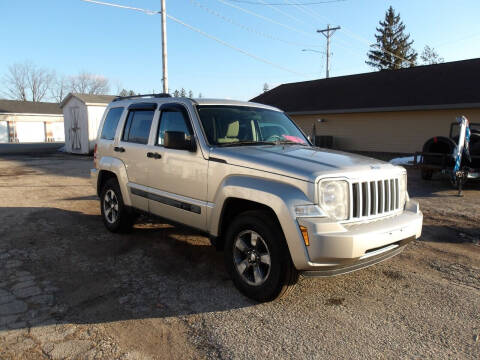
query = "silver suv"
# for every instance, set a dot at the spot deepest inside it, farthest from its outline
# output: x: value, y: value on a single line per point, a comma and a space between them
x: 248, y: 177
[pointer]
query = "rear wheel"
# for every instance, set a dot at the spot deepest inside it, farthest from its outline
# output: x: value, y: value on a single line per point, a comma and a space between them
x: 257, y: 257
x: 116, y: 216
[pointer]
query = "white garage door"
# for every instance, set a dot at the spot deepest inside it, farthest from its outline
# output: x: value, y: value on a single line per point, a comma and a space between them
x: 3, y: 132
x: 30, y: 131
x: 58, y: 131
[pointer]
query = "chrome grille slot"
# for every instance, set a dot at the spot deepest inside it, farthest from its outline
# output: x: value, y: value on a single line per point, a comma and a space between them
x: 374, y: 198
x: 365, y: 199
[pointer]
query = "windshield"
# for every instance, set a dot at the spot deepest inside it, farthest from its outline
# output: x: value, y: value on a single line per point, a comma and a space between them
x: 240, y: 125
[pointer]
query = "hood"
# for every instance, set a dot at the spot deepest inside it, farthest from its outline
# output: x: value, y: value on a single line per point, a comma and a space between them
x: 301, y: 162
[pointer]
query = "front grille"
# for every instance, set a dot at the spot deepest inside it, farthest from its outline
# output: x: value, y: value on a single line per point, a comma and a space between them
x: 374, y: 198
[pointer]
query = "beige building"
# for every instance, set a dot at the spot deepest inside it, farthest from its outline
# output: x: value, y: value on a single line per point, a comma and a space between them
x: 387, y: 111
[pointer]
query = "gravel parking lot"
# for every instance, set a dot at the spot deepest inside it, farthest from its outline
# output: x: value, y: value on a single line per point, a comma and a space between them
x: 70, y: 289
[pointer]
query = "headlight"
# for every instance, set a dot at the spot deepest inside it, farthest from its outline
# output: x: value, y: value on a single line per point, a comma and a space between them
x: 402, y: 190
x: 334, y: 198
x: 309, y: 211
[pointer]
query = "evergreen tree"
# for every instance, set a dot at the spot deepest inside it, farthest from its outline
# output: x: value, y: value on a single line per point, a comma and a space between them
x: 176, y: 93
x: 190, y: 94
x: 183, y: 93
x: 393, y: 49
x: 200, y: 95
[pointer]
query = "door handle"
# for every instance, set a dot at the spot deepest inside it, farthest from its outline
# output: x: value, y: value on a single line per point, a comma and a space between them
x: 154, y: 155
x: 119, y: 149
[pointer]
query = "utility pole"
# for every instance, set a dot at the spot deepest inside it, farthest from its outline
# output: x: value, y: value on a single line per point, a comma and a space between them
x: 328, y: 32
x: 164, y: 47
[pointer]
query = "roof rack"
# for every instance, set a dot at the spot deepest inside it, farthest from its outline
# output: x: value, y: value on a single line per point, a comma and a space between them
x: 161, y: 95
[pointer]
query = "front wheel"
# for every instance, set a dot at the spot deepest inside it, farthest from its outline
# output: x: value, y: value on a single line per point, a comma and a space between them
x: 257, y: 257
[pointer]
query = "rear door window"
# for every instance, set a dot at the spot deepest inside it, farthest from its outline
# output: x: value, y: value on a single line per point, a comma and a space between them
x: 137, y: 126
x: 111, y: 123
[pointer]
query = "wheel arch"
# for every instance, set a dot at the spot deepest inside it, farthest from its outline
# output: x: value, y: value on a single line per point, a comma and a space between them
x: 234, y: 206
x: 113, y: 168
x: 241, y: 193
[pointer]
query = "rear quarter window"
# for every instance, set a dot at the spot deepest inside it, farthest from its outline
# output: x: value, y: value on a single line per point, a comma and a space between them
x: 111, y: 123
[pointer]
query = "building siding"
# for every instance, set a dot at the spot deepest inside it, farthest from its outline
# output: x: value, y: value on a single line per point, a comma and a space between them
x: 31, y: 128
x: 396, y: 132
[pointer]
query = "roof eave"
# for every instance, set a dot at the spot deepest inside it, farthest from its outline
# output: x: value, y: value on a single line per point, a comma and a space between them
x: 96, y: 104
x: 387, y: 109
x: 29, y: 114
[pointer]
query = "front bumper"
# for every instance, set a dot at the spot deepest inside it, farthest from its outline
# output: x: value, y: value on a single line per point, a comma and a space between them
x: 335, y: 248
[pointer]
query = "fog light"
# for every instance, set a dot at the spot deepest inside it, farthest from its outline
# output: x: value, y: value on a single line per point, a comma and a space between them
x: 304, y: 231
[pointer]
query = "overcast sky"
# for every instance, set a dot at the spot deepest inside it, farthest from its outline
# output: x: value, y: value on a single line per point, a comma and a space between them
x: 70, y: 36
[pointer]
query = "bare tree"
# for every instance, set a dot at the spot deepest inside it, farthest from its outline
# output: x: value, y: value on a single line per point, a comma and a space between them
x: 16, y: 82
x: 60, y: 88
x: 39, y: 81
x: 430, y: 57
x: 27, y: 82
x: 87, y: 83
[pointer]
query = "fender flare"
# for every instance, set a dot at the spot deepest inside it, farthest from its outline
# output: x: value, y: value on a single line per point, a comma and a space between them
x: 279, y: 196
x: 117, y: 167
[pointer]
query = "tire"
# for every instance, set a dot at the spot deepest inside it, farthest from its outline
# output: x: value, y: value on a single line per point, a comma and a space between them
x: 116, y: 216
x: 426, y: 174
x: 255, y: 243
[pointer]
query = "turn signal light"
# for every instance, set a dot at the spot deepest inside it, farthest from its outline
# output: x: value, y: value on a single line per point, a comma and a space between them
x: 304, y: 231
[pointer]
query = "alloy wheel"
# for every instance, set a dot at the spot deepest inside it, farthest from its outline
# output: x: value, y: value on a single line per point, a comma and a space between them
x: 252, y: 257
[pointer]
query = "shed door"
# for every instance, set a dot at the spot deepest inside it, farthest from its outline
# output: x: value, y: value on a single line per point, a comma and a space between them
x: 74, y: 131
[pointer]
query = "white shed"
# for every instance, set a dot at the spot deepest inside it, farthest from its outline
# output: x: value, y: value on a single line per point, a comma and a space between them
x: 82, y: 114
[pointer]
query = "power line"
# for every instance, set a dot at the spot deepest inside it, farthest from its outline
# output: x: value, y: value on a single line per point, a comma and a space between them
x: 283, y: 4
x: 244, y: 27
x: 233, y: 46
x: 265, y: 18
x: 282, y: 12
x: 148, y: 12
x: 205, y: 34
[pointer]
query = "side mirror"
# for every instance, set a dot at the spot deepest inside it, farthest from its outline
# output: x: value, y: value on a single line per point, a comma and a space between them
x: 178, y: 140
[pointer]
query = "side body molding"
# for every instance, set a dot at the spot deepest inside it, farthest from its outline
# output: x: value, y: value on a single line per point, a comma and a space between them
x: 280, y: 197
x: 117, y: 167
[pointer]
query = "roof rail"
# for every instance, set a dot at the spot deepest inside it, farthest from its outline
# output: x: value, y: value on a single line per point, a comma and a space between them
x: 161, y: 95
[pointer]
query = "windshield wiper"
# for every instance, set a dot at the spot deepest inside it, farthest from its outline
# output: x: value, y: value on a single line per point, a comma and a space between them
x: 244, y: 143
x: 289, y: 142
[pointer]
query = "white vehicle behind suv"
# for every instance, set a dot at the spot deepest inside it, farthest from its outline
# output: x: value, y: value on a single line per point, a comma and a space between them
x: 246, y: 175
